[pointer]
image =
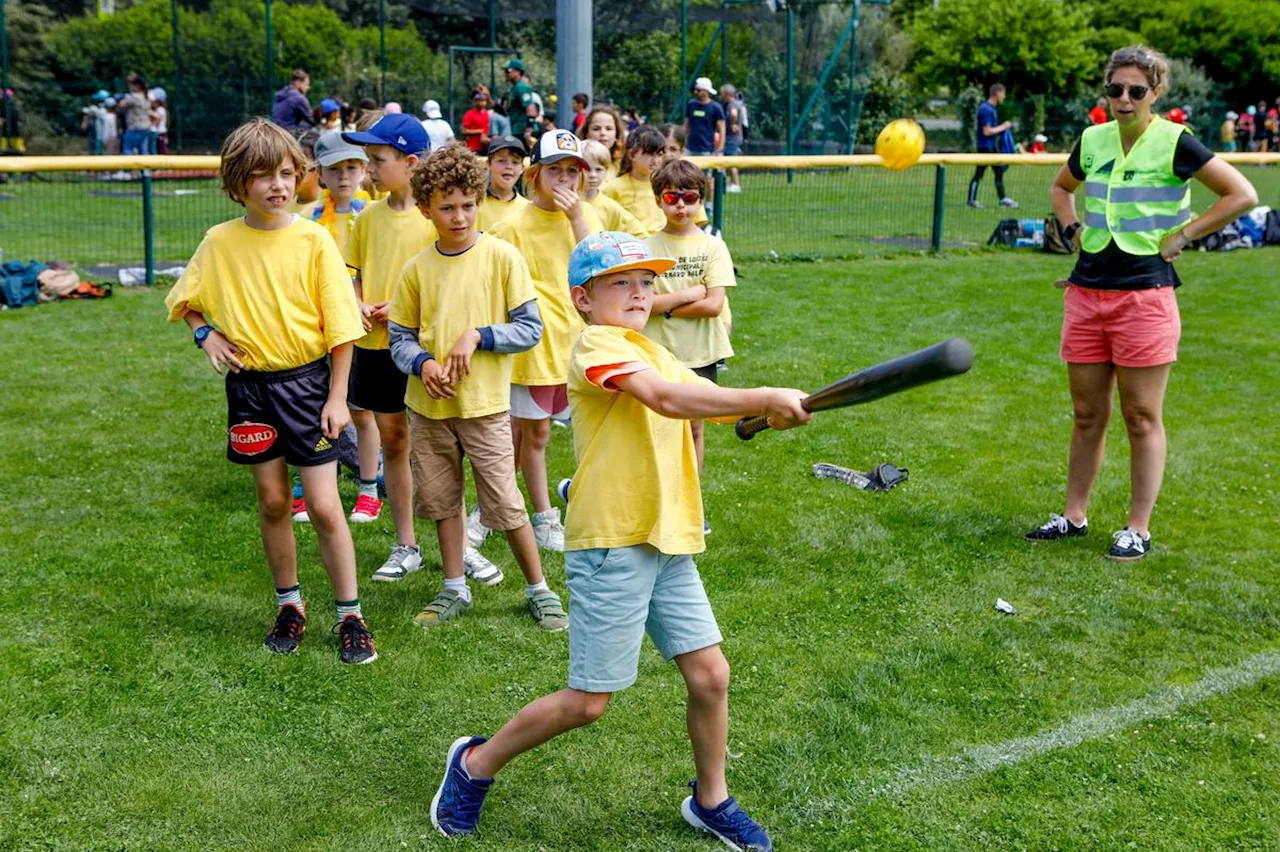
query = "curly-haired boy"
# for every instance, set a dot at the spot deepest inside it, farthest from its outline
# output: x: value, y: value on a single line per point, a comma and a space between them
x: 461, y: 309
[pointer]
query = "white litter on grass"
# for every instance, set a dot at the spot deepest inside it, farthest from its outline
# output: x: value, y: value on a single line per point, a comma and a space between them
x: 982, y: 760
x: 186, y: 192
x: 136, y: 276
x: 1005, y: 607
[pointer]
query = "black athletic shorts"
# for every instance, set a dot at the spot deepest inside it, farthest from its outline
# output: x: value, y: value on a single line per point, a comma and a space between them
x: 277, y: 413
x: 709, y: 372
x: 376, y: 382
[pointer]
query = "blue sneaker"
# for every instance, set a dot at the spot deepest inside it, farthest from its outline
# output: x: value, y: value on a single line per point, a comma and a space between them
x: 455, y: 809
x: 727, y: 821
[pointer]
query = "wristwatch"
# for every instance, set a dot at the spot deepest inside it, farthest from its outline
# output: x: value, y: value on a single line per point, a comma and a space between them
x: 201, y: 334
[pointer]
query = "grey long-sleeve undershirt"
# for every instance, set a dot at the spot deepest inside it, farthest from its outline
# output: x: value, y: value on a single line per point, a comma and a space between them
x: 521, y: 333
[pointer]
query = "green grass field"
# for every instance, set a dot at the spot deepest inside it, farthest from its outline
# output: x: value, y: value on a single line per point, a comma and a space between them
x: 836, y: 213
x: 878, y: 701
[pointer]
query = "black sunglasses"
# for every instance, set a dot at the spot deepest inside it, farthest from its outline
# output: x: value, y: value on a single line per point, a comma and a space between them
x: 1115, y: 91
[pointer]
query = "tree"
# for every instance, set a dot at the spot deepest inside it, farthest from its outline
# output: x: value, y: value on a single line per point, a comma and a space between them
x: 1037, y: 47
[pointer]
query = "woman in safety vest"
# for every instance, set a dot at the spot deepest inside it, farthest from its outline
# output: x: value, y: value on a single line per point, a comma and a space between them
x: 1121, y: 323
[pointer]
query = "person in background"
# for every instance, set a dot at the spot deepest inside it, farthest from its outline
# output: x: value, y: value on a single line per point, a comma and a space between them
x: 746, y: 117
x: 1227, y: 132
x: 330, y: 115
x: 1037, y: 144
x: 159, y: 121
x: 1098, y: 115
x: 292, y: 110
x: 475, y: 121
x: 632, y: 116
x: 92, y: 122
x: 1273, y: 127
x: 1244, y: 128
x: 603, y: 124
x: 703, y: 121
x: 522, y: 104
x: 135, y: 109
x: 366, y: 107
x: 1261, y: 135
x: 732, y: 131
x: 579, y: 104
x: 438, y: 130
x: 992, y: 140
x: 110, y: 132
x: 392, y: 108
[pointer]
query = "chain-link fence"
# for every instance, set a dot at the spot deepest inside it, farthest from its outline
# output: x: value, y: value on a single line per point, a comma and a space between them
x: 106, y: 219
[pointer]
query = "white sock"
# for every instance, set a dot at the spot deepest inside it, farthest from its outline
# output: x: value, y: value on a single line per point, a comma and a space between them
x: 460, y: 586
x: 291, y: 595
x: 369, y: 488
x: 532, y: 589
x: 351, y: 607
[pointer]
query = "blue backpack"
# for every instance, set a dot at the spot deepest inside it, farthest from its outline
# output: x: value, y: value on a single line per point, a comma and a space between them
x: 20, y: 283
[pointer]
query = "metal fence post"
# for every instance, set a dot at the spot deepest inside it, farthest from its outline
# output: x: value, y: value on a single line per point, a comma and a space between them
x: 939, y: 196
x: 271, y: 63
x: 148, y: 229
x: 175, y: 113
x: 717, y: 208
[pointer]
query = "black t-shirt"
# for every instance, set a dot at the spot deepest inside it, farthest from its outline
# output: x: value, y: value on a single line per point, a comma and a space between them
x: 1113, y: 268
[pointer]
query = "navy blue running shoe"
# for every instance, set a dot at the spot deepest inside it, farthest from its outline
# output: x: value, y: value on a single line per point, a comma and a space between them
x: 455, y: 809
x: 727, y: 821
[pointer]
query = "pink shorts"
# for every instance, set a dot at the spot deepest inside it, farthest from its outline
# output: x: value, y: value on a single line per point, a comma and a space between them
x: 1128, y: 328
x: 540, y: 402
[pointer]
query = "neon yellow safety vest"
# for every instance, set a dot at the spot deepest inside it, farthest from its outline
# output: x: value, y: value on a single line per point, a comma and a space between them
x: 1136, y: 199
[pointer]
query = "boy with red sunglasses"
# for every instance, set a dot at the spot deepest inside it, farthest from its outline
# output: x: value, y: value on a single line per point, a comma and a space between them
x: 688, y: 300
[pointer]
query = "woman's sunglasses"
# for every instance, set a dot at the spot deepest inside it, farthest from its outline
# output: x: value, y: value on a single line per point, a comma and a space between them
x: 1115, y: 91
x: 689, y: 196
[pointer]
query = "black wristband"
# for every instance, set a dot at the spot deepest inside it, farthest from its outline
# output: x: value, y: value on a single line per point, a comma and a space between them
x: 1070, y: 231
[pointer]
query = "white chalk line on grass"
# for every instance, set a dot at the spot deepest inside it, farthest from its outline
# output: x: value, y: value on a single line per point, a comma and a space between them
x: 981, y: 760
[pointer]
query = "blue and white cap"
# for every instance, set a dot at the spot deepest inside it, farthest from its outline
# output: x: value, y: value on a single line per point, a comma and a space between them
x: 612, y: 251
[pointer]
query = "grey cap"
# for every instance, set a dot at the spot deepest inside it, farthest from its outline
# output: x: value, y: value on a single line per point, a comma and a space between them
x: 332, y: 149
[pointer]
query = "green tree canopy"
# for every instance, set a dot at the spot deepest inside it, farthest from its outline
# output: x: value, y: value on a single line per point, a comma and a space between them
x: 1035, y: 46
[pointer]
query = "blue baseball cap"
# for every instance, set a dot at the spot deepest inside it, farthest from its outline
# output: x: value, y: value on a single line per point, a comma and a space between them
x: 329, y: 105
x: 402, y: 132
x: 612, y: 251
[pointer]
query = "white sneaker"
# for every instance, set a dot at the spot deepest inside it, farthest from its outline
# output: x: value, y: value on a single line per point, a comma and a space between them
x: 480, y: 569
x: 733, y: 187
x: 548, y: 532
x: 476, y: 531
x: 403, y: 561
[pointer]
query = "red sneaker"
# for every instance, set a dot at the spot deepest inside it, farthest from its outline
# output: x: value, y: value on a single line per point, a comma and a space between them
x: 367, y: 509
x: 300, y: 512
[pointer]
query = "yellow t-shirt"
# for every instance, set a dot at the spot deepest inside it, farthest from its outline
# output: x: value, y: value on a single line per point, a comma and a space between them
x: 493, y: 210
x: 445, y: 295
x: 337, y: 224
x: 545, y: 240
x: 284, y: 297
x: 382, y: 242
x: 615, y: 217
x: 636, y: 195
x: 700, y: 259
x: 637, y: 476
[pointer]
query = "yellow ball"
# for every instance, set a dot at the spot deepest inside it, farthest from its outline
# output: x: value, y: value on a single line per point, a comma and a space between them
x: 900, y: 144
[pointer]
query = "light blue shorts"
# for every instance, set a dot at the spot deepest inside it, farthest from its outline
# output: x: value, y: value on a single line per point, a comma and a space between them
x: 618, y: 594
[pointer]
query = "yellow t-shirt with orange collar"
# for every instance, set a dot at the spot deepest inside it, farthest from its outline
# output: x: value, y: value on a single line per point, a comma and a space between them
x: 545, y: 240
x: 637, y: 476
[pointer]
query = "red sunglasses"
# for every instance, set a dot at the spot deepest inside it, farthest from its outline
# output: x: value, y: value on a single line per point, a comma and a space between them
x: 689, y: 196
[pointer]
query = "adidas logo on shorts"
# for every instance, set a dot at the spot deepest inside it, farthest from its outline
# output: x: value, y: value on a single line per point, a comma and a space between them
x: 323, y: 444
